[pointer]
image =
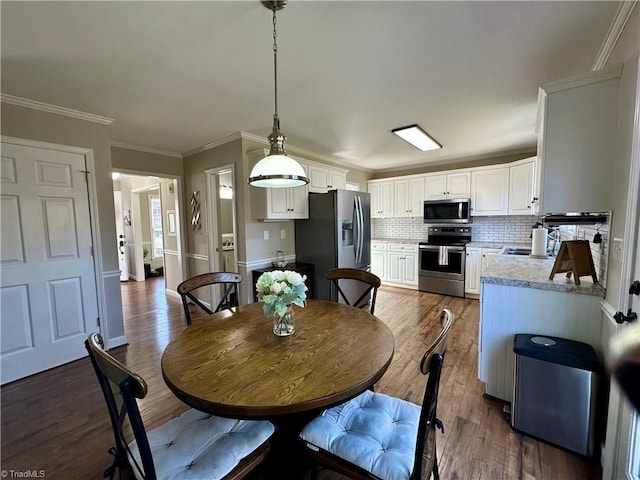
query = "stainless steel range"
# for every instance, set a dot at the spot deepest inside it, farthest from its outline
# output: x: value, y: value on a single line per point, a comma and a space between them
x: 442, y: 260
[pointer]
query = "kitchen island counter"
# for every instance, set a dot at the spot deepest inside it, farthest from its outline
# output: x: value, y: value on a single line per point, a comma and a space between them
x: 524, y: 271
x: 517, y: 296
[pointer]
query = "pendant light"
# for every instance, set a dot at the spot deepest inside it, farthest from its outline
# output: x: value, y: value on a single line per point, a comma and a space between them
x: 277, y: 170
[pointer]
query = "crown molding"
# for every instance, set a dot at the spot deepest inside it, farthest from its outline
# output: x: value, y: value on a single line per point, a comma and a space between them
x: 141, y: 148
x: 291, y: 149
x: 306, y: 154
x: 581, y: 80
x: 613, y: 35
x: 45, y: 107
x: 214, y: 144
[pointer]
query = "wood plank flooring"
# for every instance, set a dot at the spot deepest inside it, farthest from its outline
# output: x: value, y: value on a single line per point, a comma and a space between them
x: 56, y: 421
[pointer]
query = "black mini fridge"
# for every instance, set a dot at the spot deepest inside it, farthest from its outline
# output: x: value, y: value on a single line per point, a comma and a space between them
x: 554, y: 391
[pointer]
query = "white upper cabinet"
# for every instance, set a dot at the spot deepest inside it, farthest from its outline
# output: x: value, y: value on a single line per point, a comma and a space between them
x: 523, y: 199
x: 323, y: 178
x: 452, y: 185
x: 278, y: 203
x: 409, y: 196
x: 381, y: 198
x: 490, y: 191
x: 577, y: 141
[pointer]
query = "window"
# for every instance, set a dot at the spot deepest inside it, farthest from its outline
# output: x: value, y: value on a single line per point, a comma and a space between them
x: 155, y: 215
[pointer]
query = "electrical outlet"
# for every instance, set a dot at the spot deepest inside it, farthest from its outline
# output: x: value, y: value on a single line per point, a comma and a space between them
x: 283, y: 234
x: 266, y: 234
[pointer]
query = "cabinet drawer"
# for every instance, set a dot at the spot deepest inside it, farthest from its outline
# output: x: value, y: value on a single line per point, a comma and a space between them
x: 379, y: 246
x: 403, y: 247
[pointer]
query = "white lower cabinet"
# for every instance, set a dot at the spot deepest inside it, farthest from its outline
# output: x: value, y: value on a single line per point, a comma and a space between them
x: 477, y: 260
x: 472, y: 271
x: 403, y: 263
x: 396, y: 263
x: 379, y: 259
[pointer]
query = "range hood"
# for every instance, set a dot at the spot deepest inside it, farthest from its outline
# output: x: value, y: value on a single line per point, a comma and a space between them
x: 575, y: 218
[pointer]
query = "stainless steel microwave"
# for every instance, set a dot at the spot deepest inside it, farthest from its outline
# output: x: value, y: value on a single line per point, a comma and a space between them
x: 450, y: 210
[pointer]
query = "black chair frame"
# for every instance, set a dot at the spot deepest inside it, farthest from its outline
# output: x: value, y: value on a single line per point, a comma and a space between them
x: 430, y: 364
x: 337, y: 274
x: 130, y: 386
x: 229, y: 297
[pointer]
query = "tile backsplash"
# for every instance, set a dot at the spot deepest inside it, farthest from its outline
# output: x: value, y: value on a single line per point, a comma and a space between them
x: 489, y: 229
x: 515, y: 229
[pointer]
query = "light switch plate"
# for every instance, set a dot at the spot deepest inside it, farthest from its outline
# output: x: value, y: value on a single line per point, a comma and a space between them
x: 266, y: 234
x: 616, y: 249
x: 283, y: 234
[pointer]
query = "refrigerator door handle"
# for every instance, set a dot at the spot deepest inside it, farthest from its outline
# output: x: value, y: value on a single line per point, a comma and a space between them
x: 356, y: 219
x: 360, y: 230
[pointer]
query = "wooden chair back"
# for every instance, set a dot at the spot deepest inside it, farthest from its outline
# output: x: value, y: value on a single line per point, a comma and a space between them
x: 336, y: 274
x: 131, y: 386
x: 425, y: 460
x: 229, y: 299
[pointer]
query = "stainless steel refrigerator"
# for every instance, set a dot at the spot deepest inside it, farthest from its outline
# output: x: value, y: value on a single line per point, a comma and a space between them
x: 336, y: 235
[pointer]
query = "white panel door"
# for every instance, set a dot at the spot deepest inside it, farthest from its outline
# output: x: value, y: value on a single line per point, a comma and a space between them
x: 47, y: 287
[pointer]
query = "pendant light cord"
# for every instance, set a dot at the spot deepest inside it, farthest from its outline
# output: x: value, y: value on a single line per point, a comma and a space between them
x: 275, y: 61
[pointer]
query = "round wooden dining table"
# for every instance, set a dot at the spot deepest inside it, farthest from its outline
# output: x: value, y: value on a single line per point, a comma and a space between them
x: 231, y: 363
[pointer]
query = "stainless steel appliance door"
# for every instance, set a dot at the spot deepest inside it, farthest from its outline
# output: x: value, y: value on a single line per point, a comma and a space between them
x: 354, y: 239
x: 365, y: 213
x: 433, y: 264
x: 447, y: 211
x: 347, y: 223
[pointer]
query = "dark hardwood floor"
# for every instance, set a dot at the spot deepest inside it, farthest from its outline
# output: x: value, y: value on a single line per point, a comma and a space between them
x: 56, y: 421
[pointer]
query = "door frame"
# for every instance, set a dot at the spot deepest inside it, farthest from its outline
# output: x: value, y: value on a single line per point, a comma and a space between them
x: 92, y: 196
x: 214, y: 239
x: 177, y: 207
x: 137, y: 227
x: 628, y: 460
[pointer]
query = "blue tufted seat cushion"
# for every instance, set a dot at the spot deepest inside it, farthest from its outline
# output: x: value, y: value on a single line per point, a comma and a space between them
x: 374, y: 431
x: 199, y: 446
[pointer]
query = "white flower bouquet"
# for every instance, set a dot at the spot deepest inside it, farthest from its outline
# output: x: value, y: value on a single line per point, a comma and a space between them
x: 279, y: 290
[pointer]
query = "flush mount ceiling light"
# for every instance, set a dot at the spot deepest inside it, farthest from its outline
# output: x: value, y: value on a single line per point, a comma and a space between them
x: 417, y: 137
x: 277, y: 170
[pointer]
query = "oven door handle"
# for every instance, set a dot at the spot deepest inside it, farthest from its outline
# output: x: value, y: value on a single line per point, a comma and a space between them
x: 437, y: 247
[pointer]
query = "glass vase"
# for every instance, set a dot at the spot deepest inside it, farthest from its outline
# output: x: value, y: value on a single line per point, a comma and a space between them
x: 284, y: 325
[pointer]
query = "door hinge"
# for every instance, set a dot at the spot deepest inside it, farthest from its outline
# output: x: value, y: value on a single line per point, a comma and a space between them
x: 92, y: 253
x: 98, y: 320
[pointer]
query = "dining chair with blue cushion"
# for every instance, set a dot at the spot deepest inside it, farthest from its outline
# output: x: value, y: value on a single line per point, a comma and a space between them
x: 230, y: 282
x: 193, y: 446
x: 377, y: 436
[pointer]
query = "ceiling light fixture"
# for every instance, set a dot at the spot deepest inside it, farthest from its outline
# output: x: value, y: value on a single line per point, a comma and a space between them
x: 417, y: 137
x: 277, y: 170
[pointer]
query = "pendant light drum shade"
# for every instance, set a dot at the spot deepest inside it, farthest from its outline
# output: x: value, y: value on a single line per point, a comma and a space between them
x: 278, y: 171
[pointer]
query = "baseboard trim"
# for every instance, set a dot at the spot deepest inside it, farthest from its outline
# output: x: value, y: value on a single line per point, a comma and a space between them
x: 117, y: 342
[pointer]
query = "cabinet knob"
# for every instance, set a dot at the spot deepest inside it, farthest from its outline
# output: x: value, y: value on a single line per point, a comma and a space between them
x: 329, y: 186
x: 528, y: 206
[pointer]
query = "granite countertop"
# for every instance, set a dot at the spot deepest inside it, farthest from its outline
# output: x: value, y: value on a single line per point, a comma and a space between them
x: 483, y: 244
x: 398, y: 240
x: 523, y: 271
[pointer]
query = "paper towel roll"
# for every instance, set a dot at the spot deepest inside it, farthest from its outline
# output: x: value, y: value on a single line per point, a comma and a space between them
x: 539, y: 241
